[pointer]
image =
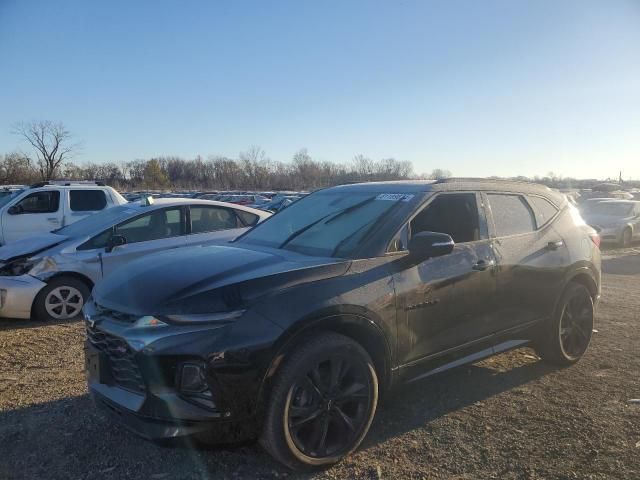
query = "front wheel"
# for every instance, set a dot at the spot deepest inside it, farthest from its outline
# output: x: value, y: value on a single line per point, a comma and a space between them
x: 322, y: 403
x: 568, y: 335
x: 62, y: 299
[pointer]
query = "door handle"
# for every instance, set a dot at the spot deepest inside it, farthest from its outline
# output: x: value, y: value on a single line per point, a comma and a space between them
x: 555, y: 245
x: 53, y: 220
x: 482, y: 265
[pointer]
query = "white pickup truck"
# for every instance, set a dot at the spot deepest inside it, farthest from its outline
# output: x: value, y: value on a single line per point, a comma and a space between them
x: 47, y: 206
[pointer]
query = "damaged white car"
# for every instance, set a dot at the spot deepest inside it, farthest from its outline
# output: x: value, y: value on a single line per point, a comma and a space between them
x: 50, y: 276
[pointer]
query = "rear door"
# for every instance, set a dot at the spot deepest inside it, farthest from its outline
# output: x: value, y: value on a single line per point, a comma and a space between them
x: 530, y: 255
x: 83, y: 202
x: 160, y: 229
x: 446, y: 303
x: 36, y: 212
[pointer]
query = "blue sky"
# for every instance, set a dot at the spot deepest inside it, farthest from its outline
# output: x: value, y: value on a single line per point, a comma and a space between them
x: 479, y: 88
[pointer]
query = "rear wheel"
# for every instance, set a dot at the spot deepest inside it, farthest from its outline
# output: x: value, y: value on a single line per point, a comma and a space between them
x: 569, y: 334
x: 322, y: 403
x: 62, y: 299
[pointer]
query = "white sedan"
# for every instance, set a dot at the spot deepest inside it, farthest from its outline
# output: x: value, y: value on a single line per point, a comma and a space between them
x: 50, y: 276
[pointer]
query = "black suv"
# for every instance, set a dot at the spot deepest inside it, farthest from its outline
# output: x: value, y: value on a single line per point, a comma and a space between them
x: 291, y: 333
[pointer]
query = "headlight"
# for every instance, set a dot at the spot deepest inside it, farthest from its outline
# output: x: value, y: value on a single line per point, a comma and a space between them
x: 220, y: 317
x: 18, y: 267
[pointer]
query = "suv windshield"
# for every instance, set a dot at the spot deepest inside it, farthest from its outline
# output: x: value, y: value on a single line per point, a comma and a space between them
x: 610, y: 208
x: 331, y: 223
x: 7, y: 196
x: 96, y: 223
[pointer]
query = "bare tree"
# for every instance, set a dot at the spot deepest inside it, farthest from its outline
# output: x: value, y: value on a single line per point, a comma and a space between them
x: 52, y: 143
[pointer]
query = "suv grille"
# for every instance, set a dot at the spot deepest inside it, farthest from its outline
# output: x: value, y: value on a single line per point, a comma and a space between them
x: 115, y: 315
x: 124, y: 369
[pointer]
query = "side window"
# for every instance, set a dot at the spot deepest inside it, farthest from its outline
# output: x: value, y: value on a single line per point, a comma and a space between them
x: 40, y: 202
x: 210, y: 219
x: 543, y: 210
x: 152, y: 226
x: 87, y: 200
x: 511, y: 215
x: 249, y: 219
x: 453, y: 213
x: 99, y: 241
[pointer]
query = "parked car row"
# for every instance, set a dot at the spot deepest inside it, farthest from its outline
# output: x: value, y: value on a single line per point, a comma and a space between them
x: 291, y: 333
x: 268, y: 201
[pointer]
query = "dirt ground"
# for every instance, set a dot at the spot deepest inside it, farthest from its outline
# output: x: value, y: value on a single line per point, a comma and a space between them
x: 509, y: 417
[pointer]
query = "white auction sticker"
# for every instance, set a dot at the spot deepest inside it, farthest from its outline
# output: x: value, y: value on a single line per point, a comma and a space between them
x: 394, y: 197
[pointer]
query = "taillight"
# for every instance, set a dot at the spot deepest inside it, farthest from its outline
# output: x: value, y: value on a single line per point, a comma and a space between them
x: 595, y: 238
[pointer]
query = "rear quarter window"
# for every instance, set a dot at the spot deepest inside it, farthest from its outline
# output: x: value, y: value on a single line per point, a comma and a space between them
x: 542, y: 209
x: 249, y: 219
x: 87, y: 200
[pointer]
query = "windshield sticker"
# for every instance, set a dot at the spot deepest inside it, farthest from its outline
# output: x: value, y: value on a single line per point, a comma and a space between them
x: 394, y: 197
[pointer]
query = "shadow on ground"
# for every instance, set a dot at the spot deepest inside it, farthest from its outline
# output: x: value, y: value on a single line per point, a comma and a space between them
x: 70, y: 439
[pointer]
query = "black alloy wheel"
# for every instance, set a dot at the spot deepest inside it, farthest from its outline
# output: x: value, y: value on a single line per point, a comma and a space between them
x: 328, y: 407
x: 322, y: 403
x: 569, y: 336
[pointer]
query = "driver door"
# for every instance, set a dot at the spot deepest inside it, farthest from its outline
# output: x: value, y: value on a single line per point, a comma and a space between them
x: 158, y: 230
x: 446, y: 303
x: 37, y: 212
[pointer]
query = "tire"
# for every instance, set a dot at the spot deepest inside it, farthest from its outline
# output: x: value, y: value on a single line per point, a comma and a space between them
x: 626, y: 238
x: 69, y: 292
x: 568, y: 334
x: 313, y: 420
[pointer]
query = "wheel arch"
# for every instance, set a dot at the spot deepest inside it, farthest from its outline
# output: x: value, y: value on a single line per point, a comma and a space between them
x: 358, y: 326
x: 78, y: 276
x: 584, y: 277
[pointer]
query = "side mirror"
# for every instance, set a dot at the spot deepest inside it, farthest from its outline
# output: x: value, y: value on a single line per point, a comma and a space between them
x: 115, y: 241
x: 430, y: 244
x: 14, y: 210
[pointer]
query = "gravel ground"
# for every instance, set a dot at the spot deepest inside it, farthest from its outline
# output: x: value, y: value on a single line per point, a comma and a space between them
x: 509, y: 417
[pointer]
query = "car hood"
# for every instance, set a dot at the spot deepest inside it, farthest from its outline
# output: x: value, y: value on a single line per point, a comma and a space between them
x: 30, y: 246
x: 604, y: 220
x: 208, y: 279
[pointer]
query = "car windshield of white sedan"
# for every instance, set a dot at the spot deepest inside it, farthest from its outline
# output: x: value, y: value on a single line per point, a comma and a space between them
x: 98, y: 222
x: 611, y: 209
x: 331, y: 224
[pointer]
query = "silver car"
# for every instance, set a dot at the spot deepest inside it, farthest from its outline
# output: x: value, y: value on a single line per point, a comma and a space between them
x: 50, y: 276
x: 617, y: 221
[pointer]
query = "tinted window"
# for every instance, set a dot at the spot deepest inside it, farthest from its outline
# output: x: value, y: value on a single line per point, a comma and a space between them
x: 99, y: 241
x: 543, y: 210
x: 152, y: 226
x: 40, y: 202
x: 209, y: 219
x: 511, y: 215
x: 249, y: 219
x: 453, y: 214
x: 87, y: 200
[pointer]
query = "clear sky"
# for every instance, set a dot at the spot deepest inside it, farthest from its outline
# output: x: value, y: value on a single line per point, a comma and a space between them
x: 476, y: 87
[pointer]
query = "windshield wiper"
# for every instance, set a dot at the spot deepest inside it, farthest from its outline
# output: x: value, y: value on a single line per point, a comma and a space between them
x: 333, y: 216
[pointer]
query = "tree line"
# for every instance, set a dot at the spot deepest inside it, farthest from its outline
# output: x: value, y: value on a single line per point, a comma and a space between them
x: 52, y: 149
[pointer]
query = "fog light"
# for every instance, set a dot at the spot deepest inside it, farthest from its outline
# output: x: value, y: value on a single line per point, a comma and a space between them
x: 192, y: 378
x: 193, y: 386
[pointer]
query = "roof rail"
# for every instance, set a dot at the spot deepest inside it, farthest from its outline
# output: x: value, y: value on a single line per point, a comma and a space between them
x: 481, y: 179
x: 67, y: 183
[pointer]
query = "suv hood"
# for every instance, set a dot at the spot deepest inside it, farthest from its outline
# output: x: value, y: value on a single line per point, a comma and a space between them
x: 30, y: 246
x: 208, y: 279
